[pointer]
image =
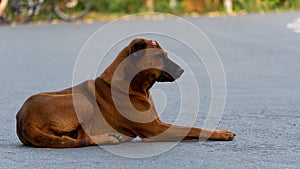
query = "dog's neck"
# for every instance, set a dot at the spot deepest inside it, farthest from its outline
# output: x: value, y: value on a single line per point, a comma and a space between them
x: 141, y: 84
x: 138, y: 90
x: 108, y: 73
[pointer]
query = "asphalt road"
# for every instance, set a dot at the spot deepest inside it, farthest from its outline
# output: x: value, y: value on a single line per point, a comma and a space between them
x: 261, y: 59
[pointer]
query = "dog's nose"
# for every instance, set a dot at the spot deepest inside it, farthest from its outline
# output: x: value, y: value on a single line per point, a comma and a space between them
x: 180, y: 70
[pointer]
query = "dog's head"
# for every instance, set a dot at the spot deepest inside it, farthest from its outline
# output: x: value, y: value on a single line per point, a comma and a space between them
x: 152, y: 61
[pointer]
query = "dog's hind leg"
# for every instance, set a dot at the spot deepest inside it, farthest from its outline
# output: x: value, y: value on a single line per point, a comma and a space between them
x: 38, y: 138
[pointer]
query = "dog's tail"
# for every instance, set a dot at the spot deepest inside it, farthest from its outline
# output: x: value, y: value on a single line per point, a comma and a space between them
x: 33, y: 136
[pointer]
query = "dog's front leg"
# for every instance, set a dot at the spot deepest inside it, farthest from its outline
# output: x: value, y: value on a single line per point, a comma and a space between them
x: 168, y: 132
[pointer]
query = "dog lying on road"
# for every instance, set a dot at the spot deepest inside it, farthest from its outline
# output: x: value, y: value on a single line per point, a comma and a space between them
x: 87, y: 114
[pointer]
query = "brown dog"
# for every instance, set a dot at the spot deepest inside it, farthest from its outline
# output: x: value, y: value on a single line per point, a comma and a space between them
x: 104, y: 110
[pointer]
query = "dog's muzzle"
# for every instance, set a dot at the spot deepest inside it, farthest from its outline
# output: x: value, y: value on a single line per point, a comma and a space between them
x: 170, y: 73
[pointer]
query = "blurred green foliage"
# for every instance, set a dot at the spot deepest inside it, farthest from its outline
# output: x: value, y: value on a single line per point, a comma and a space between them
x: 119, y: 6
x: 265, y: 5
x: 136, y: 6
x: 180, y: 7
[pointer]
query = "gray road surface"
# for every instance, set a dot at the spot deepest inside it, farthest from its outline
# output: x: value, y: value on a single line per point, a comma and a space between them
x: 261, y: 59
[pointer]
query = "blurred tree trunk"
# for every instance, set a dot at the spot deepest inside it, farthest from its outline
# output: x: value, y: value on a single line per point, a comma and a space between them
x: 150, y: 5
x: 173, y: 4
x: 258, y: 4
x: 287, y: 3
x: 228, y: 6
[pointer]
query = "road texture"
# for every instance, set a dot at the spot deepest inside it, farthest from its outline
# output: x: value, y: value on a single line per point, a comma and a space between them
x: 261, y: 58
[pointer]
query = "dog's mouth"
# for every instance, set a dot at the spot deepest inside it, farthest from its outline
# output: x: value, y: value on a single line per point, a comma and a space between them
x: 167, y: 77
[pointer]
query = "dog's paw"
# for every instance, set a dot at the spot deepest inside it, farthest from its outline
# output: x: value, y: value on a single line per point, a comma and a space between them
x: 108, y: 138
x: 119, y: 137
x: 223, y: 135
x: 112, y: 138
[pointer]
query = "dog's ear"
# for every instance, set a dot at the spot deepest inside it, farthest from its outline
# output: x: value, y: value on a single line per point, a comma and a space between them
x: 138, y: 45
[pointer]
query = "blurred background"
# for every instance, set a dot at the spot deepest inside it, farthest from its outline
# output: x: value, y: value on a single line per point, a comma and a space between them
x: 193, y: 6
x: 111, y: 9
